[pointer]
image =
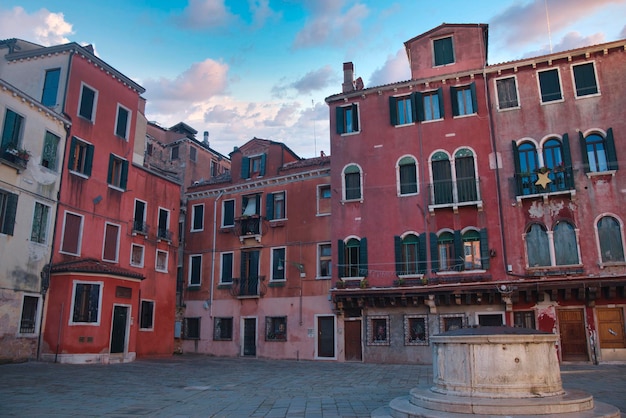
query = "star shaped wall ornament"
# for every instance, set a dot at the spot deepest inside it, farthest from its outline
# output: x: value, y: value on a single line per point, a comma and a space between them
x: 543, y: 180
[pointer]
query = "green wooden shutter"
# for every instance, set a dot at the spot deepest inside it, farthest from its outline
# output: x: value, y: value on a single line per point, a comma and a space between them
x: 340, y: 258
x: 415, y: 97
x: 263, y: 164
x: 419, y: 106
x: 455, y: 103
x: 363, y: 270
x: 355, y: 118
x: 124, y: 179
x: 441, y: 107
x: 10, y: 211
x: 397, y: 245
x: 484, y: 249
x: 458, y: 251
x: 70, y: 159
x: 567, y: 154
x: 245, y: 167
x: 434, y: 252
x: 583, y: 151
x: 110, y: 172
x: 474, y: 98
x: 89, y: 160
x: 269, y: 206
x: 518, y: 168
x: 340, y: 123
x: 393, y: 110
x: 422, y: 264
x: 611, y: 153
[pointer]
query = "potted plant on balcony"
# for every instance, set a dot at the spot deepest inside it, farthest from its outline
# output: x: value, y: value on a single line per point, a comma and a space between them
x: 23, y: 154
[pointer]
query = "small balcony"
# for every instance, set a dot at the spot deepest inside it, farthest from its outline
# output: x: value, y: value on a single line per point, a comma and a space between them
x: 248, y: 227
x: 18, y: 159
x: 544, y: 182
x: 164, y: 234
x: 248, y: 287
x: 140, y: 227
x: 452, y: 194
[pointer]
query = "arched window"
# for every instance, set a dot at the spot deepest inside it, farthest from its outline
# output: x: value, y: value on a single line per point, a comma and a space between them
x: 471, y: 250
x: 442, y: 178
x: 466, y: 184
x: 445, y: 249
x: 610, y: 238
x: 352, y: 260
x: 352, y: 183
x: 565, y: 244
x: 528, y: 157
x: 408, y: 255
x: 407, y: 175
x: 552, y: 153
x: 537, y: 246
x: 598, y: 152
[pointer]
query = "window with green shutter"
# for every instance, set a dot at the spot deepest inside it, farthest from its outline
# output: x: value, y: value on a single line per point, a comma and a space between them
x: 118, y: 172
x: 550, y: 85
x: 81, y: 157
x: 443, y: 51
x: 585, y: 79
x: 8, y: 209
x: 11, y: 130
x: 50, y: 149
x: 87, y: 105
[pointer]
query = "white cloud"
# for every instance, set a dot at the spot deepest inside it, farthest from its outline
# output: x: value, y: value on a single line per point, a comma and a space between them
x: 42, y: 27
x: 261, y: 12
x: 396, y: 68
x: 571, y: 40
x: 205, y: 14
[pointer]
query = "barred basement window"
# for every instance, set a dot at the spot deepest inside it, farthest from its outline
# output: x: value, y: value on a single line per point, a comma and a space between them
x: 276, y: 328
x: 192, y: 329
x: 223, y: 329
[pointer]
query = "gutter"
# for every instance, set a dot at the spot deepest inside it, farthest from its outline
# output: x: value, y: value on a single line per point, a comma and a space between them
x: 213, y: 253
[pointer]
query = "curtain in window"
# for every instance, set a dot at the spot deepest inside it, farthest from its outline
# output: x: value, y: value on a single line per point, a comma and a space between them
x: 408, y: 176
x: 565, y: 247
x: 537, y: 246
x: 610, y: 237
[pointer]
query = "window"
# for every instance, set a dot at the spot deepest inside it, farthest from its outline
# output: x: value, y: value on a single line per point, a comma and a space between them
x: 565, y: 242
x: 407, y: 175
x: 276, y: 328
x: 228, y: 213
x: 378, y: 330
x: 443, y: 51
x: 136, y: 255
x: 585, y: 79
x: 446, y: 256
x: 471, y: 250
x: 195, y: 270
x: 324, y: 268
x: 466, y: 184
x: 415, y: 330
x: 536, y: 242
x: 610, y: 239
x: 146, y: 320
x: 163, y: 231
x: 81, y: 157
x: 430, y: 105
x: 122, y: 122
x: 249, y: 270
x: 86, y: 302
x: 28, y: 320
x: 490, y: 319
x: 72, y: 233
x: 174, y: 153
x: 226, y: 276
x: 323, y: 199
x: 8, y: 209
x: 507, y: 93
x: 49, y: 153
x: 598, y: 152
x: 193, y: 154
x: 191, y: 328
x: 458, y: 251
x: 197, y: 215
x: 223, y: 329
x: 12, y: 130
x: 51, y: 87
x: 253, y: 166
x: 118, y: 172
x: 464, y: 100
x: 442, y: 179
x: 524, y: 319
x: 111, y: 242
x: 39, y: 232
x: 139, y: 217
x: 352, y: 183
x: 347, y: 119
x: 450, y: 322
x: 161, y: 261
x: 550, y: 85
x: 410, y: 252
x: 402, y: 110
x: 88, y: 100
x: 149, y: 148
x: 275, y: 206
x: 278, y: 264
x: 352, y: 258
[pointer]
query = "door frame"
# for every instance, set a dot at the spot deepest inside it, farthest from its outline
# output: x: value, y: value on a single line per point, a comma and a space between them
x: 361, y: 321
x: 585, y: 320
x: 317, y: 335
x: 129, y: 310
x: 242, y: 332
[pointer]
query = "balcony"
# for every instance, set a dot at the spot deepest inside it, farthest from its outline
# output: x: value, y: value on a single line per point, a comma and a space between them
x: 164, y: 234
x: 452, y: 194
x: 248, y: 227
x: 140, y: 227
x: 248, y: 287
x: 18, y: 159
x: 559, y: 181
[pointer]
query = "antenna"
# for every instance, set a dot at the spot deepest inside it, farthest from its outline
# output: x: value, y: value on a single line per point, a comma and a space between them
x: 548, y: 22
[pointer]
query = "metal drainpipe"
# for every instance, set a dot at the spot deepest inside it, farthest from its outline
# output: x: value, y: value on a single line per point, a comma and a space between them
x: 213, y: 253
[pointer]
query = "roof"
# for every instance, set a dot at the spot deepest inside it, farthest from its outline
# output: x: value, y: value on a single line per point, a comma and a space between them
x: 268, y: 142
x: 449, y: 25
x: 308, y: 162
x: 91, y: 265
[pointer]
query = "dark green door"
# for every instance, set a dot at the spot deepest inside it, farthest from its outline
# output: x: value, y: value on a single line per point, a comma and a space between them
x: 249, y: 337
x: 326, y: 336
x: 118, y: 333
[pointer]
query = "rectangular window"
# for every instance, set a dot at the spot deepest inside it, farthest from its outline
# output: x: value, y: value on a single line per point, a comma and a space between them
x: 323, y: 199
x: 81, y: 157
x: 87, y: 106
x: 72, y: 233
x: 51, y: 87
x: 191, y: 328
x: 39, y: 232
x: 490, y: 320
x: 147, y: 315
x: 111, y: 242
x: 449, y: 322
x: 443, y: 51
x: 163, y: 229
x: 122, y: 122
x: 226, y: 276
x: 161, y: 261
x: 86, y: 302
x: 253, y: 166
x: 28, y: 321
x: 228, y: 213
x: 432, y: 103
x: 275, y: 206
x: 378, y: 330
x: 347, y: 119
x: 50, y: 150
x: 585, y: 79
x: 524, y: 319
x: 276, y: 328
x: 402, y: 110
x: 195, y: 270
x: 197, y: 221
x: 8, y: 209
x: 278, y: 264
x: 174, y: 153
x: 324, y: 269
x: 507, y: 93
x: 223, y: 329
x: 136, y: 255
x: 193, y: 154
x: 139, y: 217
x: 415, y: 330
x: 550, y: 85
x: 464, y: 100
x: 118, y: 172
x: 12, y: 130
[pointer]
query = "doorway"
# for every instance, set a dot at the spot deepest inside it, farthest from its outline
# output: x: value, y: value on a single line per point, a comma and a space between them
x: 352, y: 340
x: 573, y: 336
x: 119, y: 329
x: 249, y: 336
x: 326, y: 336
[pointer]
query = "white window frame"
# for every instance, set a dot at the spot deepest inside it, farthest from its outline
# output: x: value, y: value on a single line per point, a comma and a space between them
x: 117, y: 242
x: 399, y: 183
x: 145, y: 211
x: 234, y: 212
x: 143, y: 254
x: 190, y: 270
x: 95, y: 102
x: 141, y: 314
x: 595, y: 74
x: 71, y: 315
x: 320, y: 198
x: 435, y: 65
x: 156, y: 261
x: 478, y: 314
x: 343, y: 183
x: 117, y: 115
x: 167, y: 224
x: 272, y: 279
x: 318, y: 274
x: 558, y: 70
x: 495, y: 86
x: 193, y: 218
x: 222, y: 266
x: 37, y: 316
x: 46, y: 228
x: 80, y: 233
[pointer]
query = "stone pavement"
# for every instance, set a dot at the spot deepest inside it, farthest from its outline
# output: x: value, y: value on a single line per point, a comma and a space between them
x: 201, y: 386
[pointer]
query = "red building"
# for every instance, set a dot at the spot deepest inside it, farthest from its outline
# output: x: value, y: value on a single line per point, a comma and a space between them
x: 111, y: 280
x: 257, y: 258
x: 559, y: 130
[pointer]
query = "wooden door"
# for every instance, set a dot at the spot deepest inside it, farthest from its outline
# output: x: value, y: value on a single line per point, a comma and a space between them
x: 352, y: 336
x: 326, y: 336
x: 611, y: 327
x: 573, y: 336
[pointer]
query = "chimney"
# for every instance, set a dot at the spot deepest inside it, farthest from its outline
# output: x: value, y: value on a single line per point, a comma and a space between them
x: 348, y: 77
x: 206, y: 138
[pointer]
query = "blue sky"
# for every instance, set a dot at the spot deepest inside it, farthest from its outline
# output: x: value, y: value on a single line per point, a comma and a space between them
x: 262, y: 68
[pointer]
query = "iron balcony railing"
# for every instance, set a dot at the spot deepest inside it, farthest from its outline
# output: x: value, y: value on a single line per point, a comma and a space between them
x: 140, y: 227
x: 449, y: 192
x: 248, y: 225
x: 561, y: 179
x: 248, y: 286
x: 164, y: 234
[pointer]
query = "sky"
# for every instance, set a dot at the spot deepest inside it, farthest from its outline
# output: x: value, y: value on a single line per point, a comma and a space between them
x: 241, y: 69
